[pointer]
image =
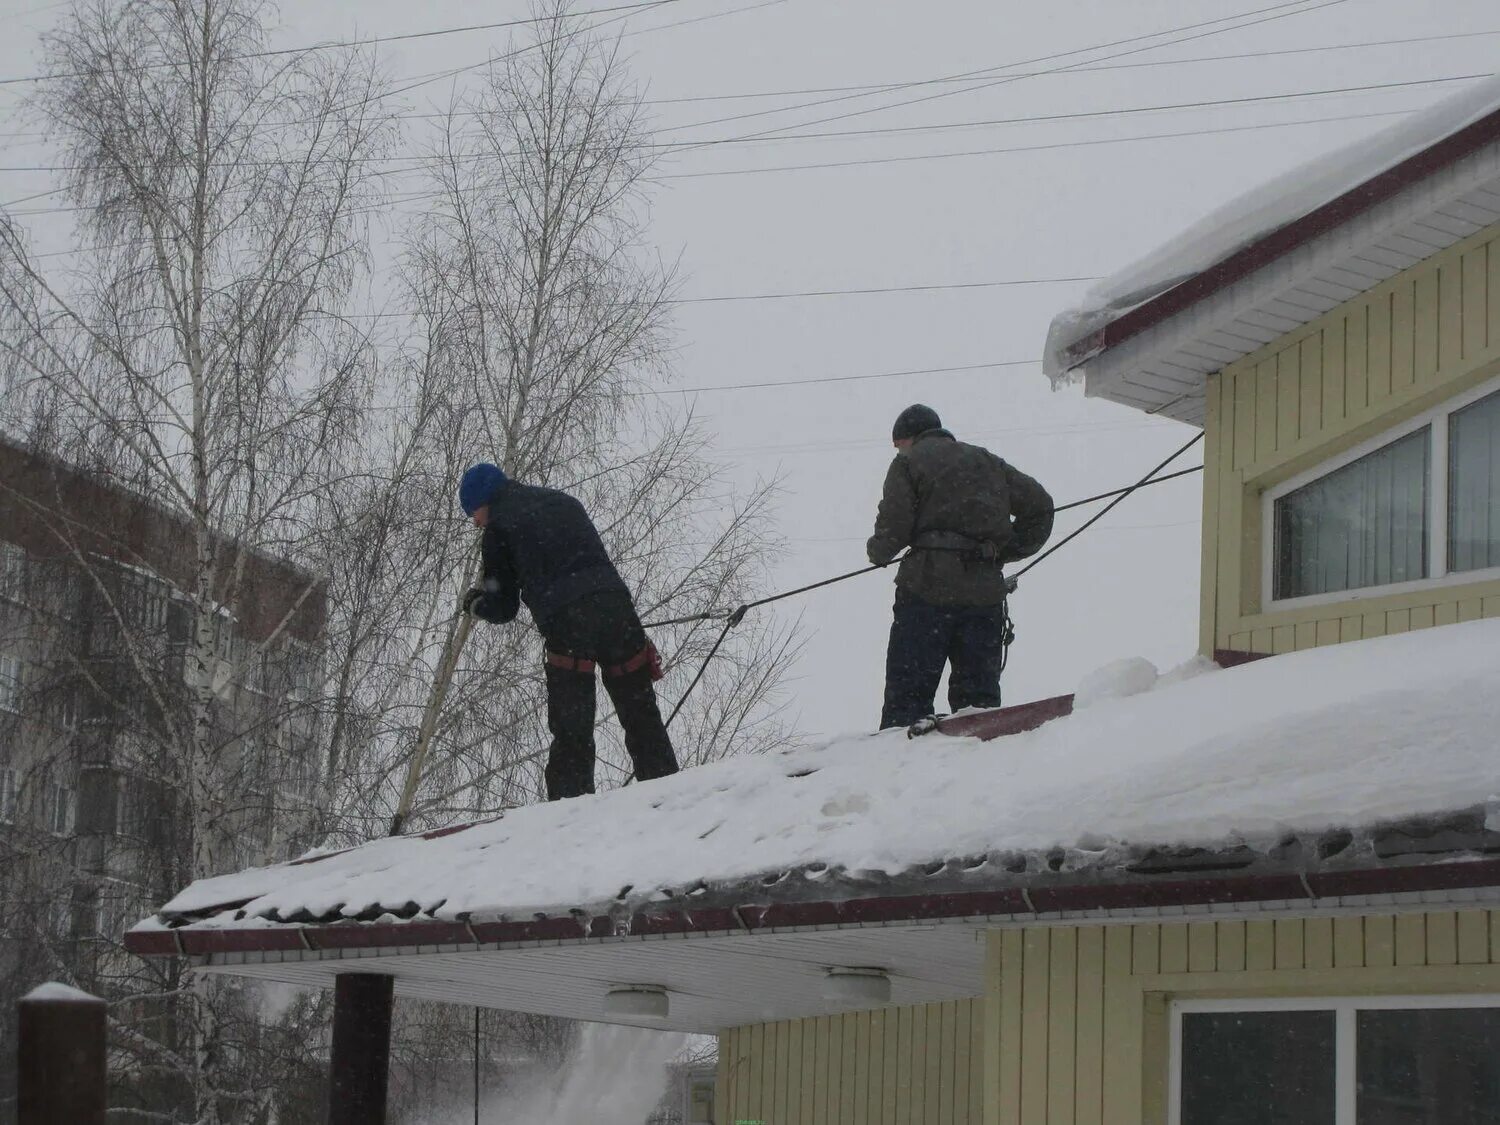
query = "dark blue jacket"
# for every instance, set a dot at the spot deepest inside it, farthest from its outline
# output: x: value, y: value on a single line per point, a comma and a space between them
x: 540, y: 547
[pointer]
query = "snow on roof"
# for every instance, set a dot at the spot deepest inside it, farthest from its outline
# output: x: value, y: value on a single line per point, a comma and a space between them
x: 1347, y: 736
x: 1248, y: 218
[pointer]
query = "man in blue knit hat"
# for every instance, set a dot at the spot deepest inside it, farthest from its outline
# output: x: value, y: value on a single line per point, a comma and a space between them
x: 541, y: 548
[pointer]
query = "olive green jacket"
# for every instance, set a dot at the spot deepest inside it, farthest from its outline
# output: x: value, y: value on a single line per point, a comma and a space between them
x: 964, y: 513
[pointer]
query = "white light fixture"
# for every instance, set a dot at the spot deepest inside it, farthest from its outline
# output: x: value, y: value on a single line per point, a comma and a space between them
x: 857, y: 985
x: 637, y: 1001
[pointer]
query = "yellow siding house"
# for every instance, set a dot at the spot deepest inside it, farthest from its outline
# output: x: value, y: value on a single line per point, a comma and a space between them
x: 1344, y: 365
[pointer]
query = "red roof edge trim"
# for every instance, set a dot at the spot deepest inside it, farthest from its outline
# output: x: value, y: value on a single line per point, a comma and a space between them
x: 987, y: 725
x: 1016, y: 900
x: 358, y: 935
x: 1177, y: 892
x: 1331, y: 215
x: 1394, y: 880
x: 1234, y: 657
x: 152, y: 943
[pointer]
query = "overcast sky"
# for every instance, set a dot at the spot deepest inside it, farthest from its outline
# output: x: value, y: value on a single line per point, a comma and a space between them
x: 1072, y: 199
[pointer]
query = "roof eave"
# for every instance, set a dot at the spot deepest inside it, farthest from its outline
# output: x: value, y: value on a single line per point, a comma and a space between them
x: 1271, y: 247
x: 1157, y: 356
x: 748, y: 909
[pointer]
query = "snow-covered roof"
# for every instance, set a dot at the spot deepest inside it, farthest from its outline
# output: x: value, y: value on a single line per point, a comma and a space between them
x: 1342, y: 737
x: 1330, y: 779
x: 1283, y: 254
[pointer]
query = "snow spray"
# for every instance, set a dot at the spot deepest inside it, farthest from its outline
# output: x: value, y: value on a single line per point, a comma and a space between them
x: 615, y: 1076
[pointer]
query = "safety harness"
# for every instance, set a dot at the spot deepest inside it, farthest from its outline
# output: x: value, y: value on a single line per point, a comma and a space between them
x: 648, y: 657
x: 975, y: 552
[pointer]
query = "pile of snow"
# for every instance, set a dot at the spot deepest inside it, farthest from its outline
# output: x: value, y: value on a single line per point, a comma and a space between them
x: 1344, y: 736
x: 56, y: 992
x: 1259, y: 212
x: 1119, y: 680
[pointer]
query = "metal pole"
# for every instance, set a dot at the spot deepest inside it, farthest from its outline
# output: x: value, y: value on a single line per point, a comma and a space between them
x: 476, y: 1065
x: 61, y: 1058
x: 361, y: 1048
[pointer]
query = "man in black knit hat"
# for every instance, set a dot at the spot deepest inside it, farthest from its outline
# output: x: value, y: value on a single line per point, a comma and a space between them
x: 962, y: 514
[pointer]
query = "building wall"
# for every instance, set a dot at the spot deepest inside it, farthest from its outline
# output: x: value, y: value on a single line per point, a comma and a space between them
x: 1423, y: 336
x: 915, y: 1065
x: 1077, y: 1017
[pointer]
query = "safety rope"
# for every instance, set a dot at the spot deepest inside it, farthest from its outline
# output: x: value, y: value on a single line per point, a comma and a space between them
x: 1104, y: 511
x: 733, y: 617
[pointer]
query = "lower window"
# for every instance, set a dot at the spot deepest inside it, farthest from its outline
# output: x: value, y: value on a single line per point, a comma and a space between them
x: 1385, y: 1061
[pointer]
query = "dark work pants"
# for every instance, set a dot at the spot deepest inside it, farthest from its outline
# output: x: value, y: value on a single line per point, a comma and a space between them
x: 923, y: 638
x: 603, y: 628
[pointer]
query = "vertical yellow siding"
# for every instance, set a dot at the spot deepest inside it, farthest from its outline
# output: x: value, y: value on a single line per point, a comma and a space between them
x: 1080, y: 1034
x: 1425, y: 335
x: 896, y: 1066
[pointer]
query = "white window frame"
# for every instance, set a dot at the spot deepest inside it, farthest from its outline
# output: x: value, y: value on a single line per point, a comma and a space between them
x: 1344, y: 1009
x: 1438, y: 576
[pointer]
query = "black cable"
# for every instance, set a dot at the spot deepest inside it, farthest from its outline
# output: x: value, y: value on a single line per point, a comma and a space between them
x: 738, y: 615
x: 734, y: 619
x: 1128, y: 489
x: 1104, y: 511
x: 1150, y: 479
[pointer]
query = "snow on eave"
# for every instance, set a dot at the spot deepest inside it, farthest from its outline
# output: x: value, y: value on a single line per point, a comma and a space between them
x: 1344, y: 737
x: 1260, y: 225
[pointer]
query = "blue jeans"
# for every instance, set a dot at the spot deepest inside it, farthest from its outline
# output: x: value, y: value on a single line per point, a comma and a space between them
x: 924, y: 637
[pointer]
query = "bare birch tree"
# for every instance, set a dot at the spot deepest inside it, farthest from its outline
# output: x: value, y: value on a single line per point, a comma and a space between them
x: 196, y: 353
x: 540, y: 334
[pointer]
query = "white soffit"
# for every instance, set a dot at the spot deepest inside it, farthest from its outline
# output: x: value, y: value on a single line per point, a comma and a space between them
x: 712, y: 982
x: 1163, y: 369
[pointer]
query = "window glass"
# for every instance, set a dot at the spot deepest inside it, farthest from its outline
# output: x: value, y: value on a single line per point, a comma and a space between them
x: 1430, y: 1067
x: 12, y: 571
x: 1362, y: 525
x: 1474, y: 485
x: 1257, y: 1068
x: 10, y: 683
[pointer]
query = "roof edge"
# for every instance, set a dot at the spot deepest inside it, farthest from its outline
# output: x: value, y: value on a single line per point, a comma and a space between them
x: 1037, y: 899
x: 1270, y: 247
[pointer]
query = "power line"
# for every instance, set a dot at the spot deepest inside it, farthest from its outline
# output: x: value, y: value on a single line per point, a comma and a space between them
x: 1278, y: 9
x: 968, y: 75
x: 882, y: 289
x: 1086, y: 69
x: 439, y: 76
x: 387, y: 206
x: 836, y: 378
x: 849, y: 446
x: 349, y: 43
x: 1082, y: 69
x: 941, y: 126
x: 932, y: 127
x: 1026, y: 148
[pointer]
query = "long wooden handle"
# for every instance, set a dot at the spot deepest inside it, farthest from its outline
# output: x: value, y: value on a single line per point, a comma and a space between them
x: 458, y: 636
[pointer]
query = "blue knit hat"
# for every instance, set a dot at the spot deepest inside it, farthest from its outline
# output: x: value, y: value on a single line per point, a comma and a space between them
x: 478, y: 485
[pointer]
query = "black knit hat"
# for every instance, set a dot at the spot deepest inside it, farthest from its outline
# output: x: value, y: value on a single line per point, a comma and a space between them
x: 914, y: 420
